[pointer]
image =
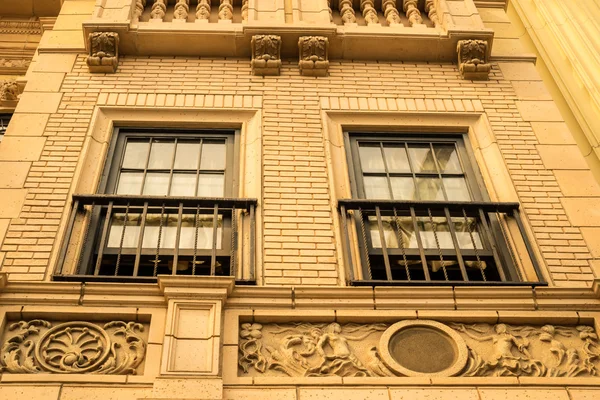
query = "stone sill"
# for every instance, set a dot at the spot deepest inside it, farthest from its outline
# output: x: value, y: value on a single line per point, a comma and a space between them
x: 233, y: 40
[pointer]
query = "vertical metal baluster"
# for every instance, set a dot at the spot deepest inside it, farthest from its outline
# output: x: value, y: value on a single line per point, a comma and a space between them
x: 401, y: 244
x: 437, y: 243
x: 461, y: 262
x: 103, y: 238
x: 232, y: 270
x: 479, y: 264
x: 196, y: 222
x: 490, y: 238
x: 65, y: 246
x: 386, y: 258
x: 177, y: 239
x: 85, y: 237
x: 213, y: 256
x: 528, y: 246
x: 118, y: 263
x: 138, y: 252
x: 510, y: 249
x: 160, y: 226
x: 252, y: 241
x: 420, y: 244
x: 364, y: 239
x: 345, y: 233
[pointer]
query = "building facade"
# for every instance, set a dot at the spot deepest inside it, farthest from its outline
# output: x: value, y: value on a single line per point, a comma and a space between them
x: 299, y: 199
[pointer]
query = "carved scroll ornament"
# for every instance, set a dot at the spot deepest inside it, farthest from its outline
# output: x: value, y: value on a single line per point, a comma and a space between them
x: 266, y: 58
x: 104, y: 52
x: 314, y: 59
x: 473, y: 59
x: 430, y: 349
x: 115, y: 348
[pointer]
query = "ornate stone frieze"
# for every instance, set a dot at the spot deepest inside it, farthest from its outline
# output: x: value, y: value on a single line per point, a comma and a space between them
x: 417, y: 348
x: 266, y: 58
x: 473, y: 59
x: 392, y: 16
x: 159, y: 10
x: 38, y: 346
x: 226, y: 10
x: 9, y: 93
x: 347, y: 12
x: 8, y: 26
x: 104, y: 52
x: 413, y: 14
x: 314, y: 60
x: 181, y: 10
x: 369, y: 12
x: 203, y: 11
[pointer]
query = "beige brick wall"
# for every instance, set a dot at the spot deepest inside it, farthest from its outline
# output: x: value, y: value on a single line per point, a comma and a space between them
x: 299, y: 246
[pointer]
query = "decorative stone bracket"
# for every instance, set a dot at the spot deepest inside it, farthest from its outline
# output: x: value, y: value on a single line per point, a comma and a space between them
x: 266, y: 55
x: 104, y: 52
x: 314, y: 60
x: 9, y: 93
x: 473, y: 59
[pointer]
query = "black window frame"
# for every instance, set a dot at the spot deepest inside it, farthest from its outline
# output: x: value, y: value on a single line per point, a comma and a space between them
x: 473, y: 178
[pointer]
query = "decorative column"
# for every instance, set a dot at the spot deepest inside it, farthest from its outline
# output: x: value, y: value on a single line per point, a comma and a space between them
x: 203, y: 11
x: 226, y: 11
x: 266, y: 54
x: 368, y: 11
x: 412, y: 12
x: 314, y: 59
x: 347, y: 12
x: 104, y: 52
x: 138, y: 10
x: 390, y: 12
x: 159, y: 9
x: 473, y: 59
x: 431, y: 11
x: 244, y: 10
x: 182, y: 8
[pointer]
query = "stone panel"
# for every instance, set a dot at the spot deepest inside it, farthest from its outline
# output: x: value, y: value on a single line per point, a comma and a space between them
x: 552, y: 133
x: 577, y: 183
x: 16, y: 148
x: 562, y: 157
x: 13, y: 174
x: 582, y: 211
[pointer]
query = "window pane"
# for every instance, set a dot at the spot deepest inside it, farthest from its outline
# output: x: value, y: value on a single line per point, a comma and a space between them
x: 157, y: 184
x: 213, y: 156
x: 376, y: 187
x: 456, y: 189
x: 168, y: 231
x: 370, y: 158
x: 205, y: 231
x: 390, y: 231
x: 465, y: 241
x: 447, y: 158
x: 422, y: 159
x: 396, y: 159
x: 211, y: 185
x: 403, y: 188
x: 136, y: 154
x: 442, y: 231
x: 161, y: 155
x: 183, y: 184
x: 132, y: 230
x: 429, y: 189
x: 130, y: 183
x: 186, y: 156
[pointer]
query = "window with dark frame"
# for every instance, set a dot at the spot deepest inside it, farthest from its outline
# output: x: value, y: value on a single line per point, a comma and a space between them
x: 420, y: 213
x: 4, y: 120
x: 165, y: 206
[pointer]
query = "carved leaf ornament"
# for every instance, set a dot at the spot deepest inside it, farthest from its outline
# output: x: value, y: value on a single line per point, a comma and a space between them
x: 418, y: 348
x: 77, y: 347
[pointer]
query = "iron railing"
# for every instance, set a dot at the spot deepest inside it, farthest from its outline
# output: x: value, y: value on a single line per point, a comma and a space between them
x: 122, y: 238
x: 430, y: 243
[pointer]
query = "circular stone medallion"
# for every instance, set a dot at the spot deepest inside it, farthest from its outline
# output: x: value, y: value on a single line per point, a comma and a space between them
x: 423, y: 348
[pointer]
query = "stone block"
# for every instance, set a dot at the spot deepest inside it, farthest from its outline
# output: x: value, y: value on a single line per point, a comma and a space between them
x: 67, y: 22
x: 544, y: 111
x: 531, y: 90
x: 62, y: 40
x: 42, y: 103
x: 13, y: 174
x: 54, y: 62
x: 434, y: 394
x: 22, y: 124
x: 583, y: 394
x: 30, y: 392
x: 259, y: 394
x: 45, y: 82
x: 577, y: 183
x: 562, y: 157
x: 582, y: 211
x: 195, y: 356
x: 519, y: 71
x: 552, y: 132
x: 523, y: 394
x: 11, y: 202
x: 206, y: 389
x: 70, y: 392
x: 21, y: 148
x: 343, y: 393
x: 79, y: 7
x: 592, y: 239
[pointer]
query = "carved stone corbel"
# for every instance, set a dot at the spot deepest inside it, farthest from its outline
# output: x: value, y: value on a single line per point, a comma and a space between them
x: 9, y: 93
x: 314, y: 60
x: 266, y: 55
x: 104, y: 52
x: 473, y: 59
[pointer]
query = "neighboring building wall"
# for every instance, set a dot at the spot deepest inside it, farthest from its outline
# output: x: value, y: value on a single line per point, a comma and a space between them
x: 191, y: 328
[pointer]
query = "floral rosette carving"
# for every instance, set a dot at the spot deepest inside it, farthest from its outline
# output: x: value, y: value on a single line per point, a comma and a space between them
x: 73, y: 347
